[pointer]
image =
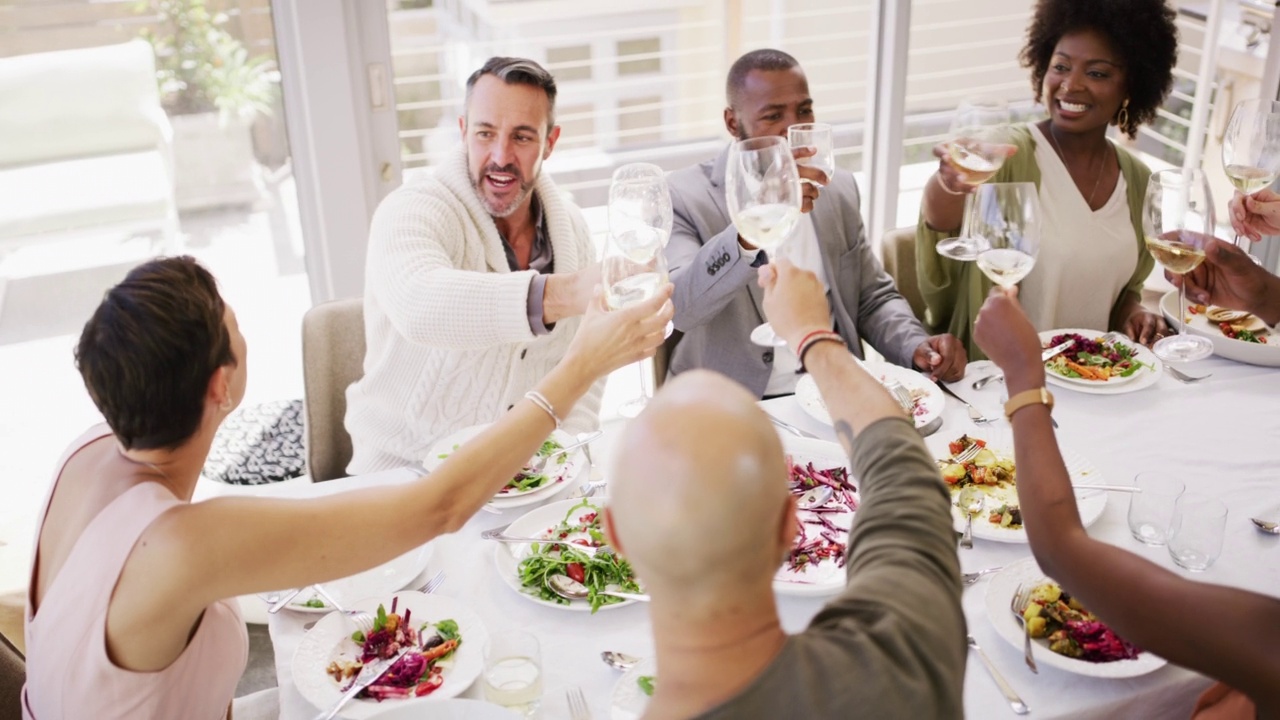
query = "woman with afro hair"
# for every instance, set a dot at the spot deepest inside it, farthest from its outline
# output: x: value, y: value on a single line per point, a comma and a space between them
x: 1094, y: 64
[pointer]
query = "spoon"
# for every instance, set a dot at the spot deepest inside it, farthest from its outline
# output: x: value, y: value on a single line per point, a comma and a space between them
x: 983, y: 382
x: 537, y: 465
x: 570, y: 589
x: 1266, y: 526
x: 971, y: 500
x: 619, y: 661
x: 815, y: 498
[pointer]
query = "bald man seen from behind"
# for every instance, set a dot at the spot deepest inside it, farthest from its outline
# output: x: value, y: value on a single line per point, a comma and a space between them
x: 700, y: 507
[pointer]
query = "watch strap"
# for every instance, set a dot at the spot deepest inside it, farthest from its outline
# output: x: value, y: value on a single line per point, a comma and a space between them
x: 1034, y: 396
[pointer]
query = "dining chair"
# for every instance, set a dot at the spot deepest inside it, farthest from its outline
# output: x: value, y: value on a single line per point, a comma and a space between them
x: 898, y: 253
x: 13, y: 674
x: 332, y: 358
x: 662, y: 358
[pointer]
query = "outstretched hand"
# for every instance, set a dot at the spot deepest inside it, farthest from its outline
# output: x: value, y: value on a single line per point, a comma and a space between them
x: 795, y: 302
x: 609, y: 339
x: 1227, y: 278
x: 1006, y: 335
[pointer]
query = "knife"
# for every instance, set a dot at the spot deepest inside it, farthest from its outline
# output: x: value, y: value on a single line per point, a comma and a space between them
x: 792, y: 428
x: 368, y: 674
x: 1056, y: 350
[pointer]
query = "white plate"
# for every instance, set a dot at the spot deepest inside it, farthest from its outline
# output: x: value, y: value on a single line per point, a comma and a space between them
x: 1142, y: 379
x: 826, y: 578
x: 1090, y: 503
x: 330, y: 639
x: 929, y: 406
x: 534, y: 524
x: 453, y: 709
x: 1238, y: 350
x: 628, y: 701
x: 1000, y: 591
x: 562, y: 470
x: 382, y: 580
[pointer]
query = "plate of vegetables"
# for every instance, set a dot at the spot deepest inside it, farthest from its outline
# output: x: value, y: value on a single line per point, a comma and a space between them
x: 449, y: 639
x: 1065, y: 635
x: 527, y: 486
x: 1234, y: 342
x: 631, y: 693
x: 994, y: 470
x: 815, y: 566
x: 529, y: 568
x: 1093, y: 364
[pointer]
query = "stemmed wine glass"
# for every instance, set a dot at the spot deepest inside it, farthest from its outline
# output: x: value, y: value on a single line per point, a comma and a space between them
x: 1006, y: 218
x: 762, y: 189
x: 1177, y: 219
x: 976, y: 151
x: 1251, y: 148
x: 634, y: 266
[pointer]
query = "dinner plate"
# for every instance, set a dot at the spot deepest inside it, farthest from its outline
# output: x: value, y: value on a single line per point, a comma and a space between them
x: 536, y: 523
x: 1091, y: 504
x: 1000, y: 591
x: 826, y: 578
x: 330, y: 640
x: 929, y: 400
x: 451, y: 709
x: 382, y: 580
x: 1144, y: 378
x: 562, y: 469
x: 628, y: 701
x: 1246, y: 352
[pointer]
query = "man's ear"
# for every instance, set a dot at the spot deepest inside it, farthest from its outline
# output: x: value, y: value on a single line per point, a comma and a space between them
x: 218, y: 391
x: 552, y: 137
x: 731, y: 122
x: 609, y: 533
x: 462, y: 126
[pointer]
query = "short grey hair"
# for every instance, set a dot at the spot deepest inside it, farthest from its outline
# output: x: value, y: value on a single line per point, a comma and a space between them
x: 519, y: 71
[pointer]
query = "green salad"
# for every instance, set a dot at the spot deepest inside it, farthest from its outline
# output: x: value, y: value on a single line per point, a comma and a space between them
x: 526, y: 479
x: 600, y: 571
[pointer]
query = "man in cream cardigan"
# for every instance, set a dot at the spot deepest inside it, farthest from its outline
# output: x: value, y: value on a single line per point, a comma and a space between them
x: 477, y: 273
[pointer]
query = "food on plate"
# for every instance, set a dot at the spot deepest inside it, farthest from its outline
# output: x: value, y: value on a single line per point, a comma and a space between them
x: 984, y: 468
x: 647, y: 684
x: 602, y: 570
x: 1244, y: 334
x: 526, y: 479
x: 416, y: 674
x: 819, y: 539
x: 1006, y: 515
x: 315, y: 602
x: 1234, y: 324
x: 1093, y: 359
x: 1070, y: 629
x: 1224, y: 315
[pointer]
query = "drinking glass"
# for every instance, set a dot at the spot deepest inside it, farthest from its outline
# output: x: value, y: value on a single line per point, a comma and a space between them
x: 976, y: 153
x: 1005, y: 219
x: 1251, y: 148
x: 1177, y: 219
x: 634, y: 266
x: 513, y: 671
x: 819, y: 137
x: 1195, y: 534
x: 762, y: 190
x: 1151, y: 507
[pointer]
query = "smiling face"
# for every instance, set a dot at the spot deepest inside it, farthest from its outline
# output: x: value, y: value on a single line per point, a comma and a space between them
x: 506, y: 138
x: 769, y: 102
x: 1085, y: 83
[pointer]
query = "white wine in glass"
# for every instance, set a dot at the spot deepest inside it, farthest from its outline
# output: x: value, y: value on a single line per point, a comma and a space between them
x: 1177, y: 218
x: 1248, y: 179
x: 976, y: 152
x: 512, y: 673
x: 1251, y: 149
x: 1006, y: 216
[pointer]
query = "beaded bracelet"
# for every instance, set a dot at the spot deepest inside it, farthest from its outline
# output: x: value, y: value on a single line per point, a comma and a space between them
x: 540, y: 400
x: 813, y: 339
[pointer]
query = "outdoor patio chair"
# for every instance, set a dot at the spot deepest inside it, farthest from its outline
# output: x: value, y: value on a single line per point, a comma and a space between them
x: 332, y: 358
x: 898, y: 253
x: 13, y: 673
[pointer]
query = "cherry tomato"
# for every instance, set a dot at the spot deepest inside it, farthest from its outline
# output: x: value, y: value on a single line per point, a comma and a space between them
x: 576, y: 572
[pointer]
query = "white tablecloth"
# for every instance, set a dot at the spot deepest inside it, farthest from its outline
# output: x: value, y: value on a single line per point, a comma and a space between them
x: 1220, y: 436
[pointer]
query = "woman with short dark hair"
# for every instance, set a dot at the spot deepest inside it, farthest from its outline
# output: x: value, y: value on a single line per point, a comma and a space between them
x: 1094, y: 64
x: 131, y: 609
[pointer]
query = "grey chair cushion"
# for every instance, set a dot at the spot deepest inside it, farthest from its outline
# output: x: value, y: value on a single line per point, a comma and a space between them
x: 258, y: 445
x: 13, y: 673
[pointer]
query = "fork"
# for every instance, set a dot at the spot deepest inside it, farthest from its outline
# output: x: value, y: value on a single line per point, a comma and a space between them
x: 1015, y: 702
x: 1018, y: 605
x: 578, y: 709
x: 538, y: 465
x: 967, y: 454
x: 590, y: 489
x: 972, y: 577
x: 1185, y: 378
x: 364, y: 620
x: 901, y: 394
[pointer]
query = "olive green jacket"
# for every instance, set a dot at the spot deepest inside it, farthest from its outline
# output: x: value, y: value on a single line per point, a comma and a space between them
x: 954, y: 290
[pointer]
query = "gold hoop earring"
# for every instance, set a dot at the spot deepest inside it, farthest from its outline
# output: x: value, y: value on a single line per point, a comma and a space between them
x: 1122, y: 117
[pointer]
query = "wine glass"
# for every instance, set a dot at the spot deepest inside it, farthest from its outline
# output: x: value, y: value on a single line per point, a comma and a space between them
x: 762, y: 189
x: 1006, y: 219
x: 975, y: 151
x: 634, y: 266
x: 1251, y: 149
x: 1177, y: 219
x: 819, y: 137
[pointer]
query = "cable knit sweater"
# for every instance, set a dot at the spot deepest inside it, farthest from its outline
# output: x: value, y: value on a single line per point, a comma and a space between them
x: 446, y: 322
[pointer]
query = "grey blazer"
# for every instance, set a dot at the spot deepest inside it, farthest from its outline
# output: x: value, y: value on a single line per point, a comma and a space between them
x: 718, y: 302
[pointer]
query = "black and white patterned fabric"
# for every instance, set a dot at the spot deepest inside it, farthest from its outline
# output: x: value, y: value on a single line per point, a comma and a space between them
x: 259, y: 445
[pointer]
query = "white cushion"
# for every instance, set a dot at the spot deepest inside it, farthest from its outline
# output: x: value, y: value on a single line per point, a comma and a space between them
x: 75, y: 194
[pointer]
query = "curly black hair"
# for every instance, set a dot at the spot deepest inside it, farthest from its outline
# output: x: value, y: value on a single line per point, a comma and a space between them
x: 1142, y: 31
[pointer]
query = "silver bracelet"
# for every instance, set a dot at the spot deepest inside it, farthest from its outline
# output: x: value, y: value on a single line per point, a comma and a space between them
x: 540, y: 400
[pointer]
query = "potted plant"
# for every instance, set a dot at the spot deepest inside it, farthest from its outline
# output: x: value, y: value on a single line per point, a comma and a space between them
x: 212, y: 90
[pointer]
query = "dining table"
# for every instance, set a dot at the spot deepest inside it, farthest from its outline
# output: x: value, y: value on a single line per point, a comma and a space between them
x: 1220, y: 436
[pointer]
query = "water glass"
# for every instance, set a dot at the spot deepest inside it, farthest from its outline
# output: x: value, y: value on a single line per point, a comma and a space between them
x: 1151, y: 508
x: 1195, y: 535
x: 513, y: 672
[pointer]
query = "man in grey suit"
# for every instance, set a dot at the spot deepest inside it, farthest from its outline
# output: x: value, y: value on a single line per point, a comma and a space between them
x: 717, y: 299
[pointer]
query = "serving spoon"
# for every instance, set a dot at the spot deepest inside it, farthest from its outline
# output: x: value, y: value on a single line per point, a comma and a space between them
x: 971, y: 501
x: 619, y: 661
x: 570, y: 589
x: 1266, y: 526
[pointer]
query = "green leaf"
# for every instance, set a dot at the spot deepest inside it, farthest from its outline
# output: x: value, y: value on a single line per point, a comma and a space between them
x: 448, y: 629
x: 380, y: 620
x: 646, y: 683
x: 357, y: 637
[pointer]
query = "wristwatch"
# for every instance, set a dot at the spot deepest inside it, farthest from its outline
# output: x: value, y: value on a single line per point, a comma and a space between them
x: 1028, y: 397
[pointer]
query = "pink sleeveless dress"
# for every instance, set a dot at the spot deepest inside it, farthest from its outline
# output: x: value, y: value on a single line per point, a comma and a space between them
x: 69, y: 674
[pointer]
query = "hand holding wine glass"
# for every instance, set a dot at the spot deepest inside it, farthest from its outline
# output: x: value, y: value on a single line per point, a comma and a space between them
x: 817, y: 138
x: 1006, y: 218
x: 973, y: 155
x: 1177, y: 218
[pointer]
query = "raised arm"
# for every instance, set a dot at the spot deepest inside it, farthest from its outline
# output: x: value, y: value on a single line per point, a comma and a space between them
x: 1227, y: 633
